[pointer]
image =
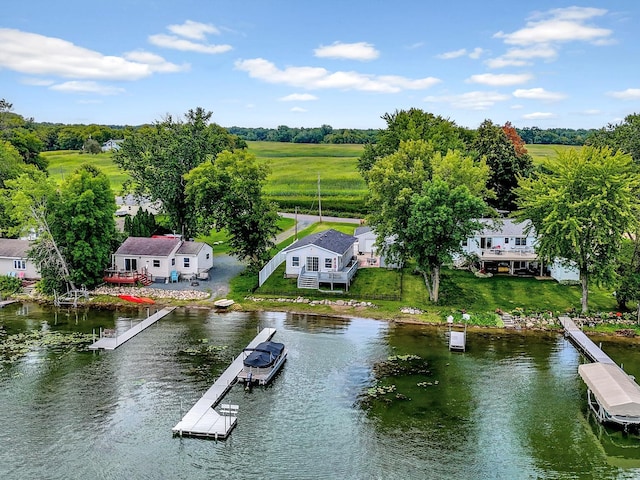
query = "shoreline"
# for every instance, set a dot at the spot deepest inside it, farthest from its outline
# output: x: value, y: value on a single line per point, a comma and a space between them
x: 524, y: 325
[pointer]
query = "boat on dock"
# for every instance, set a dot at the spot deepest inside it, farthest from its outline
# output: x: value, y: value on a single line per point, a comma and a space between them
x: 262, y: 362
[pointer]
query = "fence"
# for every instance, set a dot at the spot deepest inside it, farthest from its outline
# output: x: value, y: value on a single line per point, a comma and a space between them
x: 269, y: 268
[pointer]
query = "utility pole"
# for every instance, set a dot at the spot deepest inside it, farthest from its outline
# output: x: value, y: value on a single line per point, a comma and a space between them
x: 319, y: 200
x: 296, y: 230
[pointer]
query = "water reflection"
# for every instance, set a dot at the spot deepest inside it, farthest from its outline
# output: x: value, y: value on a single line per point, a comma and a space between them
x: 512, y: 406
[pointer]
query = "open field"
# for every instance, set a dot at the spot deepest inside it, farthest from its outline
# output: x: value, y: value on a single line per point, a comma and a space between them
x: 295, y: 168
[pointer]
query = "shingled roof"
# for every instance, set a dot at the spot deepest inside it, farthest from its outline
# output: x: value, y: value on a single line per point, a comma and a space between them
x: 12, y: 248
x: 331, y: 240
x: 151, y: 247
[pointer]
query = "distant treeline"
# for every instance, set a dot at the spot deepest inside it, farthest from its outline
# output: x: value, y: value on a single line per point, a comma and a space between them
x: 327, y: 134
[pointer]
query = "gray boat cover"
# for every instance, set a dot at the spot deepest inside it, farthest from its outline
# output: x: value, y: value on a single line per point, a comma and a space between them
x: 264, y: 355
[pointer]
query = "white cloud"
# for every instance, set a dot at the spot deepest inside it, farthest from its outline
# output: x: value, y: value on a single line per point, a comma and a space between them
x: 75, y: 86
x: 593, y: 111
x: 516, y: 107
x: 298, y: 110
x: 559, y: 25
x: 193, y: 30
x: 298, y: 97
x: 500, y: 80
x: 155, y: 62
x: 538, y: 115
x: 349, y: 51
x: 35, y: 54
x: 176, y: 43
x: 518, y: 57
x: 454, y: 54
x: 320, y: 78
x: 474, y: 54
x: 471, y: 100
x: 538, y: 94
x: 628, y: 94
x: 37, y: 82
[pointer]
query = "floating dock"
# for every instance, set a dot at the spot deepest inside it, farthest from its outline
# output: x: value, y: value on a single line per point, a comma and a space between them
x: 202, y: 420
x: 613, y: 395
x: 111, y: 343
x: 4, y: 303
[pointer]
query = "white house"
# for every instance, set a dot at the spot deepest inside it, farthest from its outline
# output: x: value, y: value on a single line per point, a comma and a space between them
x: 14, y: 261
x: 160, y: 259
x: 324, y: 257
x: 110, y: 145
x: 130, y: 204
x: 367, y: 251
x: 505, y: 246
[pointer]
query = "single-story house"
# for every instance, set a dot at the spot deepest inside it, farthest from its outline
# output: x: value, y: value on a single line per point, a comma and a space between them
x: 130, y: 204
x: 367, y: 250
x: 324, y: 257
x: 160, y: 259
x: 110, y: 145
x: 14, y: 261
x: 504, y: 246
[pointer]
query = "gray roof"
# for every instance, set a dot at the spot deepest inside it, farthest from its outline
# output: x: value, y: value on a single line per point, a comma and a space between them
x: 505, y: 227
x: 12, y: 248
x: 190, y: 248
x: 152, y: 247
x: 361, y: 230
x: 330, y: 240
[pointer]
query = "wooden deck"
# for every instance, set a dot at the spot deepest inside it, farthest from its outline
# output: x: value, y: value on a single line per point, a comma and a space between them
x: 584, y: 343
x: 111, y: 343
x: 202, y: 420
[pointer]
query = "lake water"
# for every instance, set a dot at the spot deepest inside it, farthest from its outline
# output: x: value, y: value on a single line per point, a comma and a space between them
x: 511, y: 407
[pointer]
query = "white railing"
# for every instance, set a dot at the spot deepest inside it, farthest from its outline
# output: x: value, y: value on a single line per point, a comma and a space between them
x: 270, y: 267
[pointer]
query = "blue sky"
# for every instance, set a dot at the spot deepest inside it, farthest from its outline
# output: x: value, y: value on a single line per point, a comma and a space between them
x: 264, y: 63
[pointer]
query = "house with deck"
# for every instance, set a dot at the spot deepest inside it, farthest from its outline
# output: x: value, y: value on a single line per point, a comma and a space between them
x: 507, y: 247
x: 159, y: 259
x: 368, y: 255
x: 14, y: 261
x: 326, y: 257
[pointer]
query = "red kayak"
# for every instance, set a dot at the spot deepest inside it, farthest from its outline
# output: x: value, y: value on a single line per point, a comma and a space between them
x: 134, y: 299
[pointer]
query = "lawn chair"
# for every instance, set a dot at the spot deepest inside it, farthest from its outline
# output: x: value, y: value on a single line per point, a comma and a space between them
x: 174, y: 276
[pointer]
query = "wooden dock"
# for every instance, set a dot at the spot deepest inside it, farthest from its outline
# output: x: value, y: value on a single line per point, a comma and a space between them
x: 202, y: 420
x: 584, y: 343
x: 111, y: 343
x: 4, y: 303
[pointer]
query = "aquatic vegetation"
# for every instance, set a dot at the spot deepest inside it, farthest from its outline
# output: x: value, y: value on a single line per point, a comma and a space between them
x: 13, y: 347
x: 204, y: 357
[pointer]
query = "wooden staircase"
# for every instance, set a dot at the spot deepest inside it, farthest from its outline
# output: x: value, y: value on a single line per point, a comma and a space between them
x: 508, y: 321
x: 310, y: 281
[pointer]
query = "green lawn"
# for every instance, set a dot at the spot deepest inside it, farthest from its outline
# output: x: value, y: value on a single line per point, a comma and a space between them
x: 542, y: 152
x: 64, y: 162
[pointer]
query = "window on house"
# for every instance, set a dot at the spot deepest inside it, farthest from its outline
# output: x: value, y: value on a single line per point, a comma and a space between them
x: 328, y: 263
x: 295, y: 261
x: 186, y: 262
x: 207, y: 256
x: 521, y: 241
x: 506, y: 240
x: 173, y: 262
x: 465, y: 242
x: 156, y: 263
x: 312, y: 264
x: 20, y: 264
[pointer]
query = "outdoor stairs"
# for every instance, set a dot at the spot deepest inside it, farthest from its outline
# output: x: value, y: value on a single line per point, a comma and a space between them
x: 145, y: 280
x: 308, y: 281
x: 508, y: 321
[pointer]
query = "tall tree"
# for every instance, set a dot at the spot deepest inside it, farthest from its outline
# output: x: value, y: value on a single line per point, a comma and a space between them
x: 624, y: 136
x: 158, y: 157
x: 493, y: 144
x: 581, y: 204
x: 413, y: 124
x: 228, y: 194
x: 83, y: 224
x: 441, y: 218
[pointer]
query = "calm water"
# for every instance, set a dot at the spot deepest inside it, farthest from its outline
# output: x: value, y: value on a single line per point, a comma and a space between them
x: 511, y: 407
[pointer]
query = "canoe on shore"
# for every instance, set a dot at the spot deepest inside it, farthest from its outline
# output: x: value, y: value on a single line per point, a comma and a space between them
x: 135, y: 299
x: 223, y: 303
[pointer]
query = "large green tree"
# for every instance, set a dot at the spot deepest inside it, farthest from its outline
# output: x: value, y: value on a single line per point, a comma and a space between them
x: 83, y: 224
x: 505, y: 160
x: 581, y: 205
x: 227, y: 194
x: 413, y: 124
x: 441, y: 218
x: 158, y: 157
x: 623, y: 136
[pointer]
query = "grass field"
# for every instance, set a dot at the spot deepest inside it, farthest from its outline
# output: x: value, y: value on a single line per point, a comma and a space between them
x: 295, y: 168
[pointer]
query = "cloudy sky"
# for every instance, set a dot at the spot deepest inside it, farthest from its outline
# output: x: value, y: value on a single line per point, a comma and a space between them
x: 264, y: 63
